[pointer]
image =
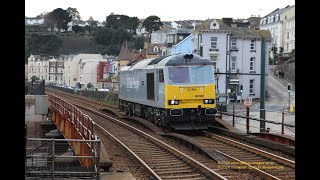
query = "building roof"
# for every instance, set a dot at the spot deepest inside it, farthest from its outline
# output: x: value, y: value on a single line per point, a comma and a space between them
x: 237, y: 31
x: 279, y: 11
x: 125, y: 54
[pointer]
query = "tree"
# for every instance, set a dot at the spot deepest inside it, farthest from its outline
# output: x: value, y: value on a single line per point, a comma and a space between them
x: 138, y: 42
x: 134, y: 22
x: 78, y: 29
x: 116, y: 21
x: 75, y: 15
x: 46, y: 44
x: 152, y: 23
x: 34, y: 78
x: 103, y: 36
x: 89, y: 85
x: 292, y: 54
x: 58, y: 18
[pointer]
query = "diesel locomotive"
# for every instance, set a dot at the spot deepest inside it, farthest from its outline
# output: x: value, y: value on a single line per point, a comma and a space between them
x: 176, y: 91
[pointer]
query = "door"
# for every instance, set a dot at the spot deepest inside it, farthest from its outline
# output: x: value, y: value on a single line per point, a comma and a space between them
x: 150, y: 86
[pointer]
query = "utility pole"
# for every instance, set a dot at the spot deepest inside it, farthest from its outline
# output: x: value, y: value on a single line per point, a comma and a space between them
x: 289, y: 88
x: 262, y: 85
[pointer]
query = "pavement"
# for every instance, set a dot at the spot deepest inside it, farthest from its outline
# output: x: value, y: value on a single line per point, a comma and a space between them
x: 284, y: 81
x: 273, y: 113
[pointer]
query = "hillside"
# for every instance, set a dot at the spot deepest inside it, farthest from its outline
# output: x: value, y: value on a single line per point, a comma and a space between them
x: 48, y: 43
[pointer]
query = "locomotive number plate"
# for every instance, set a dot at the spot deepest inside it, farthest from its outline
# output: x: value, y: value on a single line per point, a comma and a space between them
x: 191, y: 89
x: 198, y: 95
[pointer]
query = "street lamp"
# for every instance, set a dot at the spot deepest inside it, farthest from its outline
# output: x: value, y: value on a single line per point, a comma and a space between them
x: 201, y: 50
x: 289, y: 87
x: 241, y: 89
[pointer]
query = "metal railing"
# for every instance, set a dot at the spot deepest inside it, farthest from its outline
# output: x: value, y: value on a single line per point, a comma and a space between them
x: 91, y: 94
x: 55, y: 158
x: 244, y: 119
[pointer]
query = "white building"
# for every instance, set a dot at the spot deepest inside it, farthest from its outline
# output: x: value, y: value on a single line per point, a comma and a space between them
x: 34, y: 21
x: 88, y: 71
x: 236, y: 53
x: 38, y: 66
x: 72, y: 68
x: 159, y: 36
x: 274, y: 23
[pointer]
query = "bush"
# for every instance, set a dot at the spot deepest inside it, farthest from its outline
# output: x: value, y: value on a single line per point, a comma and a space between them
x: 112, y: 97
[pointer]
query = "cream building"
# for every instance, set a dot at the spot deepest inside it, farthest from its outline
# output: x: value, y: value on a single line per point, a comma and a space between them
x: 288, y: 26
x: 88, y: 71
x: 72, y: 68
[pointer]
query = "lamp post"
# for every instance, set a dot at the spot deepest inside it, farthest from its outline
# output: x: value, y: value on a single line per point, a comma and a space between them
x: 201, y: 50
x: 289, y: 88
x: 241, y: 89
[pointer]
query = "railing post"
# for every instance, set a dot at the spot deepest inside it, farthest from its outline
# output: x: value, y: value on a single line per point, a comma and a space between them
x: 247, y: 120
x: 264, y: 120
x: 53, y: 144
x: 282, y: 129
x: 220, y: 111
x: 98, y: 157
x: 233, y: 116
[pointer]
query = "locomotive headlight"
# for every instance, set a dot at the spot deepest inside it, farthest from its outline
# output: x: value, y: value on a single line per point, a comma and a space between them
x: 173, y: 102
x: 208, y: 101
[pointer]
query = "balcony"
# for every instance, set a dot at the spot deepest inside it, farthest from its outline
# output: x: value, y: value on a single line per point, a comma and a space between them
x: 213, y: 49
x: 234, y: 49
x: 235, y: 71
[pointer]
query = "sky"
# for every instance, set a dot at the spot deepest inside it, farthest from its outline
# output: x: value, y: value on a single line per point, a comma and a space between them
x: 166, y: 10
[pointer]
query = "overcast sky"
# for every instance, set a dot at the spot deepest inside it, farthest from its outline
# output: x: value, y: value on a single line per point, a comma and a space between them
x: 166, y: 10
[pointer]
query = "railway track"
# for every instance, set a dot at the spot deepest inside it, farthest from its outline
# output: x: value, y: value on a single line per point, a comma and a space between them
x: 243, y: 156
x: 239, y: 157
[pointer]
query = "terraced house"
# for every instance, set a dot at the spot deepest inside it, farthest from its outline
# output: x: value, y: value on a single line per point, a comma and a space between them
x: 235, y: 50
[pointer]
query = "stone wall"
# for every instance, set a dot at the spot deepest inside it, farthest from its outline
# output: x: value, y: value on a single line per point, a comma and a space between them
x: 289, y: 71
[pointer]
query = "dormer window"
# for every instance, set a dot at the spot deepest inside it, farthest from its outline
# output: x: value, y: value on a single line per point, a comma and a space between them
x: 214, y: 25
x: 277, y: 17
x: 155, y: 49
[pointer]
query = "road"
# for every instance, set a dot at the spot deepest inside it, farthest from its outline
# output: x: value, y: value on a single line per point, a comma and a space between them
x: 277, y: 102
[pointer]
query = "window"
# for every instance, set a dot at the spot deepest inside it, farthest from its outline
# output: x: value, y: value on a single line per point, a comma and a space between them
x: 233, y: 63
x: 253, y: 45
x: 233, y: 43
x: 214, y: 58
x: 170, y: 39
x: 178, y: 75
x: 180, y: 37
x: 156, y: 49
x: 214, y: 42
x: 251, y: 86
x: 288, y: 35
x: 161, y: 78
x: 252, y: 62
x: 288, y: 46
